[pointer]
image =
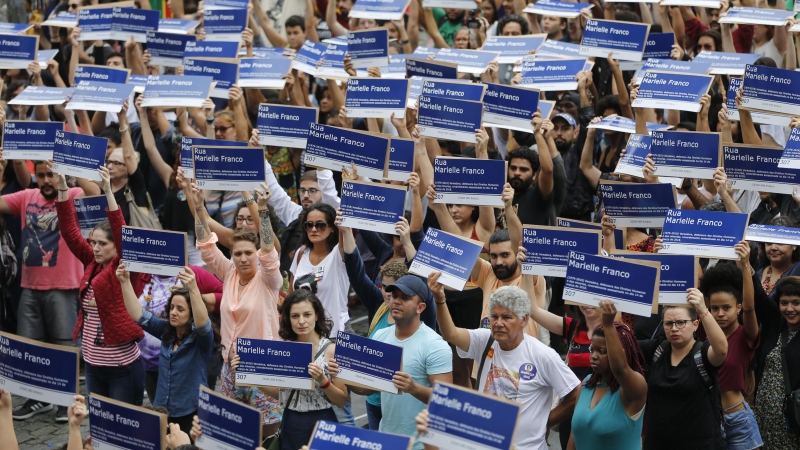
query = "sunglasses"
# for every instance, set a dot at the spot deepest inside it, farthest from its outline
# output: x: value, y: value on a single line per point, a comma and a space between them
x: 319, y: 225
x: 708, y: 47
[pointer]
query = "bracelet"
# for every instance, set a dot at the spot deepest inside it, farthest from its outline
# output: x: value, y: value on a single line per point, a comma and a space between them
x: 63, y: 190
x: 249, y: 200
x: 326, y: 385
x: 403, y: 42
x: 122, y: 130
x: 700, y: 316
x: 211, y: 120
x: 441, y: 303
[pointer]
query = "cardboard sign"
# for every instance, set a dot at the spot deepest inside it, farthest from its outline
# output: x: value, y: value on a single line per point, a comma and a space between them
x: 510, y: 107
x: 631, y: 286
x: 670, y: 65
x: 38, y: 371
x: 758, y: 168
x: 672, y: 91
x: 167, y: 49
x: 756, y: 16
x: 99, y: 96
x: 452, y: 255
x: 158, y: 252
x: 453, y: 89
x: 401, y: 159
x: 658, y: 46
x: 177, y: 26
x: 177, y: 91
x: 469, y: 61
x: 282, y: 364
x: 771, y: 90
x: 686, y: 154
x: 18, y: 51
x: 513, y: 48
x: 430, y: 69
x: 79, y: 155
x: 227, y: 424
x: 285, y: 126
x: 790, y: 158
x: 368, y: 48
x: 619, y: 233
x: 641, y: 205
x: 708, y: 234
x: 225, y: 25
x: 548, y: 248
x: 229, y: 169
x: 335, y: 436
x: 379, y: 9
x: 211, y: 49
x: 467, y: 181
x: 332, y: 148
x: 773, y: 234
x: 624, y: 40
x: 726, y: 63
x: 40, y: 95
x: 264, y: 73
x: 187, y: 160
x: 307, y: 58
x: 446, y: 118
x: 556, y: 8
x: 29, y: 140
x: 553, y: 75
x: 91, y: 211
x: 114, y: 424
x: 376, y: 97
x: 367, y: 363
x: 759, y: 117
x: 224, y: 72
x: 678, y: 274
x: 372, y: 206
x: 90, y: 72
x: 558, y: 48
x: 633, y: 161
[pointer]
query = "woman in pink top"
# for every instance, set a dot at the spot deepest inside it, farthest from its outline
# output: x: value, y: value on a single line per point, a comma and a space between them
x: 249, y: 306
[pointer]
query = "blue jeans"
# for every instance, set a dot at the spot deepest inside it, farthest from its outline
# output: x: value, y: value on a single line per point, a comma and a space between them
x: 123, y: 383
x: 741, y: 429
x: 374, y: 415
x: 345, y: 415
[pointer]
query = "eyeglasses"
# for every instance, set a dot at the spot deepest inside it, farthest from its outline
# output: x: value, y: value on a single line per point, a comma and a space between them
x: 311, y: 191
x: 110, y: 163
x: 223, y: 129
x: 708, y: 47
x: 681, y: 324
x: 319, y: 225
x: 241, y: 219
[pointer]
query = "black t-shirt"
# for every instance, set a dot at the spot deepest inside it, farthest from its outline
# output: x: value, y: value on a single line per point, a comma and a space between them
x: 136, y: 185
x: 679, y: 411
x: 532, y: 209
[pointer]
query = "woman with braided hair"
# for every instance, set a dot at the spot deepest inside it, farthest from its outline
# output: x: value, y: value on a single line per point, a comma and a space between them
x: 610, y: 409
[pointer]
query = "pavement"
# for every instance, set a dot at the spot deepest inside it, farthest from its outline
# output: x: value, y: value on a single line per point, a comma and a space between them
x: 41, y: 432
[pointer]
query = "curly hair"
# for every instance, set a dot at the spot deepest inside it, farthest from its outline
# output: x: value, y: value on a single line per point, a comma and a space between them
x: 394, y: 268
x: 633, y: 354
x: 725, y: 277
x: 513, y: 299
x: 322, y: 326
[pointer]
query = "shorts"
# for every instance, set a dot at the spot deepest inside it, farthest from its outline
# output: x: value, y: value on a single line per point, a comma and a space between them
x: 250, y: 396
x: 741, y: 429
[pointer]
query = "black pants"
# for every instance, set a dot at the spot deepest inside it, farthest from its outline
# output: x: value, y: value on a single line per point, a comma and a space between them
x: 185, y: 422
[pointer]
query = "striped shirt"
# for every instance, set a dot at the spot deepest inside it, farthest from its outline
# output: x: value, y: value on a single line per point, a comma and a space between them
x: 102, y: 355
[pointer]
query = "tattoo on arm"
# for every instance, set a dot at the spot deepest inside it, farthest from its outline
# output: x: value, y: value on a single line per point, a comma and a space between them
x: 201, y: 230
x: 267, y: 237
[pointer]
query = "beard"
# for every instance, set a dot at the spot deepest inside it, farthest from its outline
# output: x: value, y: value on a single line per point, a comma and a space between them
x: 504, y: 272
x: 53, y: 193
x: 519, y: 184
x: 563, y: 146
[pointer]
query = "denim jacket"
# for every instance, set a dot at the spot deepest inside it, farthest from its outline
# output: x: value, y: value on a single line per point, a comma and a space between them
x: 180, y: 371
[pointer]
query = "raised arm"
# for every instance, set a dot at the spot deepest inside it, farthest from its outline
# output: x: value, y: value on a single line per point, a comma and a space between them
x: 724, y: 190
x: 433, y: 30
x: 633, y: 386
x: 545, y: 178
x: 450, y: 332
x: 716, y: 337
x: 128, y: 295
x: 265, y: 229
x: 702, y: 116
x: 622, y: 89
x: 551, y: 322
x: 486, y: 219
x: 311, y: 25
x: 748, y: 293
x: 264, y: 21
x: 586, y: 165
x: 163, y: 169
x: 513, y: 223
x: 199, y: 311
x: 746, y: 126
x: 330, y: 18
x: 131, y: 162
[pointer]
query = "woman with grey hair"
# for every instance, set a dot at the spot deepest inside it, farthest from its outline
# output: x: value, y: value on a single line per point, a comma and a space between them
x: 512, y: 364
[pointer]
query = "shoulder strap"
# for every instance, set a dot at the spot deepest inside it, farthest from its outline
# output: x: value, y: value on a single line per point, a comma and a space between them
x: 784, y: 365
x: 300, y: 252
x: 481, y: 377
x: 662, y: 347
x: 697, y: 355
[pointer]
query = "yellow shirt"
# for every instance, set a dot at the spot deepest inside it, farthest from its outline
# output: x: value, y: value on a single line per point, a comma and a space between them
x: 489, y: 283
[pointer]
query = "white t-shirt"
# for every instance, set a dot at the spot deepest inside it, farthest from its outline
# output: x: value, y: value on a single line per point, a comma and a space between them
x: 332, y: 284
x: 527, y: 375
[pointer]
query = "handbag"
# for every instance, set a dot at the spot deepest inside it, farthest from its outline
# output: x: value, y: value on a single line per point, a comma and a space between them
x: 275, y: 444
x: 791, y: 403
x: 138, y: 217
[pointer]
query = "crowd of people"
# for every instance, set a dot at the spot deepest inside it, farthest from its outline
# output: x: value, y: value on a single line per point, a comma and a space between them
x: 721, y: 371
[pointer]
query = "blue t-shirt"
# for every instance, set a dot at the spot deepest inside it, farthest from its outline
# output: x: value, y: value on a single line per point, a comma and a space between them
x: 425, y: 353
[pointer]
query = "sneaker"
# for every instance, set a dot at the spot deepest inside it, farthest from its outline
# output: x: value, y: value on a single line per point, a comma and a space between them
x: 30, y: 409
x: 61, y: 414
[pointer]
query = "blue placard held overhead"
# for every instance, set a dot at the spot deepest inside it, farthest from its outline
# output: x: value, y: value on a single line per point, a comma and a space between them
x: 227, y: 424
x: 376, y: 97
x: 756, y: 16
x: 636, y: 151
x: 468, y: 181
x: 308, y: 56
x: 548, y: 248
x: 631, y: 286
x: 554, y: 75
x: 558, y: 48
x: 556, y: 8
x: 42, y: 95
x: 670, y: 65
x: 401, y: 159
x: 624, y: 125
x: 396, y: 67
x: 672, y: 91
x: 225, y: 72
x: 447, y: 118
x: 282, y: 364
x: 99, y: 96
x: 226, y: 4
x: 167, y: 49
x: 154, y: 251
x: 88, y: 72
x: 431, y: 69
x: 18, y: 51
x: 727, y: 63
x: 469, y: 61
x: 624, y: 40
x: 512, y: 48
x: 14, y: 28
x: 678, y: 274
x: 510, y: 107
x: 379, y: 9
x: 637, y: 204
x: 29, y: 140
x: 95, y: 23
x: 38, y: 371
x: 211, y: 49
x: 372, y: 206
x: 452, y: 255
x: 414, y: 91
x: 369, y: 48
x: 177, y: 26
x: 773, y: 234
x: 790, y: 158
x: 63, y: 20
x: 117, y: 425
x: 335, y: 436
x: 619, y: 233
x: 658, y: 46
x: 332, y: 65
x: 453, y: 89
x: 91, y: 211
x: 173, y: 90
x: 229, y: 169
x: 285, y: 126
x: 79, y: 155
x: 332, y: 148
x: 757, y: 116
x: 755, y: 168
x: 772, y: 90
x: 264, y: 73
x: 225, y: 25
x: 709, y: 234
x: 187, y: 162
x: 686, y: 154
x: 368, y: 363
x: 127, y: 22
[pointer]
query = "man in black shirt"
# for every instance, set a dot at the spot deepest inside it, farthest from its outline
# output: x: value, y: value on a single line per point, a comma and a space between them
x: 530, y: 173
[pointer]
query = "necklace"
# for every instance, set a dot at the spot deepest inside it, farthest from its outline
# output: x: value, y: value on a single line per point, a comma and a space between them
x: 244, y: 284
x: 768, y: 277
